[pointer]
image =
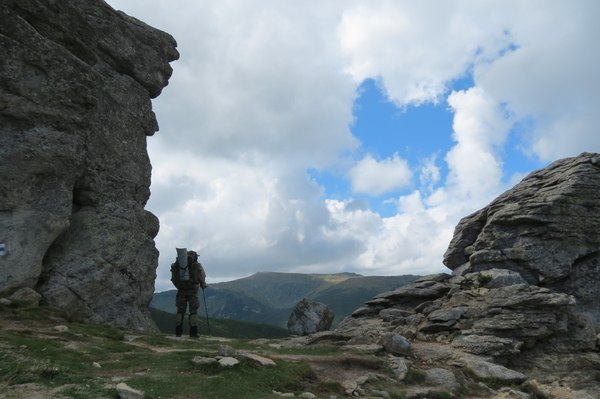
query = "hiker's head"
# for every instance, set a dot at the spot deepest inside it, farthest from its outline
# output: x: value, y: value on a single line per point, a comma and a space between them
x: 193, y: 256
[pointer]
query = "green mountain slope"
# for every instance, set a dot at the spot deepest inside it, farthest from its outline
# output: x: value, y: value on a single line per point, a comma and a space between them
x: 284, y: 290
x: 347, y: 296
x: 268, y: 297
x: 219, y: 327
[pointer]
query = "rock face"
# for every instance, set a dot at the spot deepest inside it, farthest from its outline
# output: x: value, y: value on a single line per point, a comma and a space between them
x: 309, y: 317
x: 523, y: 299
x: 546, y: 229
x: 77, y: 80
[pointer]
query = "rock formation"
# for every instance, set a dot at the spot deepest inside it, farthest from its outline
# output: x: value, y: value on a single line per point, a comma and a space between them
x: 546, y: 229
x: 522, y: 301
x: 309, y: 317
x: 75, y: 111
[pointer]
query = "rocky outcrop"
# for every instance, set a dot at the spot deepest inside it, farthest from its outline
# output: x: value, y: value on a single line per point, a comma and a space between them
x: 309, y: 317
x: 77, y: 80
x: 522, y: 301
x: 545, y: 229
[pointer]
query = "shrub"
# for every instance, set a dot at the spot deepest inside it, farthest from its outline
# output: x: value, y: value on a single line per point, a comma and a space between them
x: 483, y: 279
x: 415, y: 376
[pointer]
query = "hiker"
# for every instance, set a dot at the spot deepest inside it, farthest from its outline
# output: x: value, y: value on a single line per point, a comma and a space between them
x: 187, y: 275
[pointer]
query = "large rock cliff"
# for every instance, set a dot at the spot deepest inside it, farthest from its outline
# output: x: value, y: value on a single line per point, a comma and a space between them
x: 546, y: 229
x: 77, y: 78
x: 522, y: 301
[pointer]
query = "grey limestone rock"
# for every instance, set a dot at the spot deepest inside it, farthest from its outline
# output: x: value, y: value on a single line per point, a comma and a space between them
x: 310, y: 317
x: 486, y: 370
x: 545, y: 228
x: 228, y: 362
x: 393, y: 314
x: 396, y: 344
x: 443, y: 319
x: 400, y: 366
x: 490, y: 345
x: 25, y: 297
x: 76, y: 89
x: 441, y: 378
x: 497, y: 278
x: 126, y: 392
x: 203, y: 360
x: 414, y: 294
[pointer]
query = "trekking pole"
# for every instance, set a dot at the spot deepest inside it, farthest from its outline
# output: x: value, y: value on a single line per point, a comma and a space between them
x: 206, y: 311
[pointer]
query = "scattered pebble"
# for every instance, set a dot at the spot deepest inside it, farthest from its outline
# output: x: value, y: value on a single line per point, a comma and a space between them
x: 228, y: 361
x: 61, y: 328
x: 204, y: 360
x: 126, y: 392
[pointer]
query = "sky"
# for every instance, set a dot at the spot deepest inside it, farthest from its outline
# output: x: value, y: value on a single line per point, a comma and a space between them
x: 352, y: 136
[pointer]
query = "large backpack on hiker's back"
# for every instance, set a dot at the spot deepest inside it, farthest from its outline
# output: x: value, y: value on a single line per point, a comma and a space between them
x: 190, y: 276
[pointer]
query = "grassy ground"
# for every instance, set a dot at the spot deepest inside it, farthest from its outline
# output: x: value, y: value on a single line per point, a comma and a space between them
x: 39, y: 358
x: 32, y: 351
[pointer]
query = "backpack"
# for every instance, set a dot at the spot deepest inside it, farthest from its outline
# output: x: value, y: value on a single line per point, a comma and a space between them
x: 188, y: 277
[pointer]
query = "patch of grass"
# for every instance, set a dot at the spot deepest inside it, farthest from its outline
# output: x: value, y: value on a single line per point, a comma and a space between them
x: 469, y: 385
x: 440, y: 395
x: 365, y: 362
x: 51, y: 358
x: 533, y: 391
x: 111, y: 333
x: 415, y: 376
x: 178, y: 377
x: 328, y: 387
x: 91, y: 390
x: 38, y: 360
x: 162, y: 341
x: 158, y: 365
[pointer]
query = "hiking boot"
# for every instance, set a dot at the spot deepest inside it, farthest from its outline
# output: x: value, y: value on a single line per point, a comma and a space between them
x: 194, y: 332
x: 178, y: 331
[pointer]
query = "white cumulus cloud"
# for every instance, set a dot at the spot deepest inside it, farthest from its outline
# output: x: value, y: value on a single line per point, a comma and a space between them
x: 264, y: 92
x: 417, y: 47
x: 370, y: 176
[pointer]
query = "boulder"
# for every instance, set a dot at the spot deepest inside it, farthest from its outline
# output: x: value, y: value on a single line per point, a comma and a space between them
x: 126, y: 392
x: 204, y: 361
x: 400, y: 367
x: 491, y: 371
x: 396, y: 344
x: 61, y: 328
x: 76, y: 113
x: 25, y: 297
x: 254, y: 358
x: 309, y: 317
x: 228, y: 362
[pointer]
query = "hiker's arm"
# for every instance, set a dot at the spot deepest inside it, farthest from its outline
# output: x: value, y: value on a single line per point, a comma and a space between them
x: 202, y: 276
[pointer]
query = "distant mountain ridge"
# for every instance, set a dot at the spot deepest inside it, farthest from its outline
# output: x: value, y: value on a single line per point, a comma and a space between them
x: 268, y: 297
